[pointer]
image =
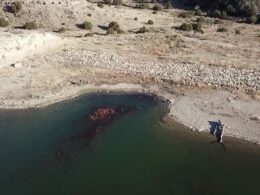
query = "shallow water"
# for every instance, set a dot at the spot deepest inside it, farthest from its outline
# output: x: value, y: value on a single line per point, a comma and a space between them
x: 133, y: 155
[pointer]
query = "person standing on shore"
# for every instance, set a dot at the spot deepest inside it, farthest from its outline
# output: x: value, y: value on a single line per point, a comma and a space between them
x: 219, y: 132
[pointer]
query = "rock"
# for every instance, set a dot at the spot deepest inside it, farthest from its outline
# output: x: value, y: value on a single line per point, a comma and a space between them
x: 17, y: 65
x: 229, y: 99
x: 255, y: 118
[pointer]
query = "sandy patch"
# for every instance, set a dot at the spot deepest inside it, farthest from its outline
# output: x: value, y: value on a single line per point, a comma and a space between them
x: 15, y: 47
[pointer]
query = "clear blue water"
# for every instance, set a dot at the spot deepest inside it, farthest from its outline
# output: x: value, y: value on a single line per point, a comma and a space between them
x: 133, y: 155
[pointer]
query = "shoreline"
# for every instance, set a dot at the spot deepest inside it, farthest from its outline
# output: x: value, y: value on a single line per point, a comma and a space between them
x: 188, y: 109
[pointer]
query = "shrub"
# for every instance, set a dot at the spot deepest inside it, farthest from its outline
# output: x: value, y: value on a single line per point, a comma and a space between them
x: 231, y: 10
x: 113, y: 28
x: 86, y: 25
x: 200, y: 19
x: 89, y: 35
x: 4, y: 22
x: 197, y: 27
x: 150, y: 22
x: 117, y: 2
x: 135, y: 18
x: 100, y: 5
x: 61, y: 30
x: 223, y: 14
x: 142, y: 30
x: 185, y: 15
x: 30, y: 26
x: 238, y: 32
x: 168, y: 4
x: 109, y: 2
x: 16, y: 7
x: 157, y: 7
x: 154, y: 12
x: 142, y: 6
x: 186, y: 27
x: 252, y: 19
x: 222, y: 29
x: 216, y: 13
x: 198, y: 12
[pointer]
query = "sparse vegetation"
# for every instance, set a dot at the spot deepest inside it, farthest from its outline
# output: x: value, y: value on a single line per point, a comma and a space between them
x: 200, y: 19
x: 157, y: 7
x: 4, y: 22
x: 197, y: 27
x: 142, y: 6
x: 185, y: 14
x: 150, y: 22
x: 89, y: 34
x: 86, y: 25
x: 237, y: 32
x: 109, y: 2
x: 15, y: 7
x: 225, y: 8
x: 143, y: 30
x: 61, y: 30
x: 114, y: 28
x: 117, y: 2
x: 186, y: 27
x: 100, y: 5
x: 168, y: 4
x: 252, y: 19
x: 135, y: 18
x: 30, y: 26
x: 198, y: 12
x: 222, y: 29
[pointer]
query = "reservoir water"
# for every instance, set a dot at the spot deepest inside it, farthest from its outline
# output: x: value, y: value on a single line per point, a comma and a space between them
x: 42, y: 152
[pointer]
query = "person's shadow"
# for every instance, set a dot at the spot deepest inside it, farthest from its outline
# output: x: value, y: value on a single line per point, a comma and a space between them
x: 215, y: 131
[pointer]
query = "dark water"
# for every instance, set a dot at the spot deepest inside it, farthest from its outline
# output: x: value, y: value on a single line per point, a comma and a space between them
x: 133, y: 155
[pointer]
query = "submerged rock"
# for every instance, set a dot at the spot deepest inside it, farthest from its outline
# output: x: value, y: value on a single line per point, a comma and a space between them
x: 97, y: 121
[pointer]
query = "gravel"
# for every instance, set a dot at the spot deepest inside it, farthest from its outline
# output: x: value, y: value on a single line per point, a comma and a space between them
x: 187, y: 74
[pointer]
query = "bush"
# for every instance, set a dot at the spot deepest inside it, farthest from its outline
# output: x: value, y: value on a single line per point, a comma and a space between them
x: 86, y: 25
x: 30, y: 26
x: 168, y: 4
x: 16, y: 7
x: 100, y: 5
x: 117, y: 2
x: 157, y: 7
x: 142, y: 6
x: 198, y: 12
x: 61, y: 30
x: 222, y: 29
x: 252, y: 20
x: 216, y: 13
x: 150, y: 22
x: 4, y: 22
x: 223, y: 14
x: 113, y: 28
x: 185, y: 15
x: 238, y: 32
x: 197, y: 27
x: 200, y: 19
x: 109, y: 2
x: 135, y: 18
x: 231, y: 10
x: 186, y: 27
x: 142, y: 30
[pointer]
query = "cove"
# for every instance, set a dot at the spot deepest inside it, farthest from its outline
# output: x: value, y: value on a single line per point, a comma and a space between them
x: 56, y: 150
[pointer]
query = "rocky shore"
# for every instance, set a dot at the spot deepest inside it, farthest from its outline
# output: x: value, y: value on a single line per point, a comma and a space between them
x: 187, y: 74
